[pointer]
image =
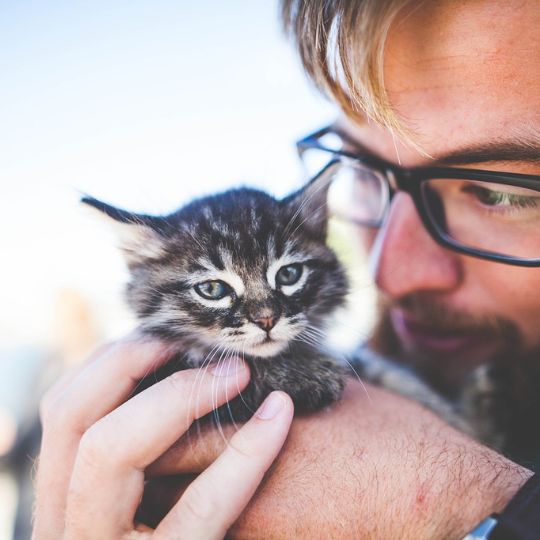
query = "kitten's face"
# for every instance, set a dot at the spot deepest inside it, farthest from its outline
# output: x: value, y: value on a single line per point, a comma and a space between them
x: 239, y: 271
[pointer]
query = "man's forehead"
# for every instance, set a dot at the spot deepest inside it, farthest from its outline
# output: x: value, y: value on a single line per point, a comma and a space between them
x: 457, y: 80
x: 514, y: 150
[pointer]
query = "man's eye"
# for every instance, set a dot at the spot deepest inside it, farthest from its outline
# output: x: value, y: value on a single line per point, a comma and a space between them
x: 212, y: 290
x: 501, y: 199
x: 289, y: 275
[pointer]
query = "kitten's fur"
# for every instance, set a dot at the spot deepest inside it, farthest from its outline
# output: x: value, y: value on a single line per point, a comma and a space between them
x: 242, y: 238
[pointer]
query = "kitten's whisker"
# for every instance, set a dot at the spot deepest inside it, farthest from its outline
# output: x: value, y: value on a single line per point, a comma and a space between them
x: 199, y: 377
x: 229, y: 353
x: 197, y: 385
x: 306, y: 219
x: 305, y: 340
x: 316, y: 331
x: 217, y: 367
x: 317, y: 337
x: 213, y: 391
x: 300, y: 208
x: 244, y: 343
x: 231, y: 416
x: 215, y: 384
x: 340, y: 355
x: 197, y: 421
x: 154, y: 368
x: 345, y: 359
x: 198, y: 382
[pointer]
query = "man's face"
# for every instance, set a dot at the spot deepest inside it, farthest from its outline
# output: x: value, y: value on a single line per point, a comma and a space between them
x: 460, y: 75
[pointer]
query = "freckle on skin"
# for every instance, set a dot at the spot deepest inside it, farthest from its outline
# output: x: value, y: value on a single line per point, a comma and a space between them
x: 420, y: 503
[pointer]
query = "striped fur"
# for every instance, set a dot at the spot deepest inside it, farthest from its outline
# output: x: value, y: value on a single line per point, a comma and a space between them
x: 241, y: 237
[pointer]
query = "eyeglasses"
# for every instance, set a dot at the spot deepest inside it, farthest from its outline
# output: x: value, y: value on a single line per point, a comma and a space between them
x: 486, y: 214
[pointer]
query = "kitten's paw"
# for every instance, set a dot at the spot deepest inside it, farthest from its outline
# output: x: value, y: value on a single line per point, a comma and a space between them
x: 312, y: 385
x: 323, y: 388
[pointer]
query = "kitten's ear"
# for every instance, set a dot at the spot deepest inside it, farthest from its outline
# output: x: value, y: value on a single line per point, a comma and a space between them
x: 141, y: 236
x: 309, y: 204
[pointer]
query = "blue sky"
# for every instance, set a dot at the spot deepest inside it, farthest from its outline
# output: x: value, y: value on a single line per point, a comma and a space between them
x: 142, y: 90
x: 145, y: 104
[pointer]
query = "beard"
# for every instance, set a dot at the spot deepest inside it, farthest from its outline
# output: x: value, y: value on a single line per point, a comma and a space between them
x: 491, y: 339
x: 513, y: 392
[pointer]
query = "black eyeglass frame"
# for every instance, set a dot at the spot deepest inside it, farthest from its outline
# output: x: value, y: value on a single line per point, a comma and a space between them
x: 410, y: 179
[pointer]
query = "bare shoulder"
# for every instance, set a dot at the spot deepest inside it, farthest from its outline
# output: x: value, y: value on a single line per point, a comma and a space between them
x: 379, y: 465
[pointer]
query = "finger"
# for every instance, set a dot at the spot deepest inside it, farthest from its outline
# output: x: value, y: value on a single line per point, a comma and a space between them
x: 111, y: 375
x: 194, y: 452
x: 73, y: 371
x: 114, y: 452
x: 71, y: 408
x: 215, y: 500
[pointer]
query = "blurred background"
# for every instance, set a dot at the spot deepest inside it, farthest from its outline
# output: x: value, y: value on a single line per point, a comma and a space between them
x: 144, y: 104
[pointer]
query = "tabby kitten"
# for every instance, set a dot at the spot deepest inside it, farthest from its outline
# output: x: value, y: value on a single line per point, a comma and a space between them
x: 240, y: 273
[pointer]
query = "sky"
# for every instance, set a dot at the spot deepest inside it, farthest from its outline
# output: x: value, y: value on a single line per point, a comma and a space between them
x: 144, y: 104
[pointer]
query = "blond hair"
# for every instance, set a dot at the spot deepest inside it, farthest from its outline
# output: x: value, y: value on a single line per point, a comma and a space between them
x: 341, y: 45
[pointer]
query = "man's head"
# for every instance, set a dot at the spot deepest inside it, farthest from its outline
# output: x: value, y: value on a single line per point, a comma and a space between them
x: 435, y: 79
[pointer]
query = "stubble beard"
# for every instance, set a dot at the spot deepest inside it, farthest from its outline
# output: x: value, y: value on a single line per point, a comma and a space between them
x: 447, y: 373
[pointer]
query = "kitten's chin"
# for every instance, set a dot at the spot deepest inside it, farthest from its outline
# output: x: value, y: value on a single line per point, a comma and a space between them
x: 266, y: 349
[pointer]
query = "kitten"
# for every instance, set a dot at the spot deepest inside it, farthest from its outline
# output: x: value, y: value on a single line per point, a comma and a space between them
x: 240, y: 273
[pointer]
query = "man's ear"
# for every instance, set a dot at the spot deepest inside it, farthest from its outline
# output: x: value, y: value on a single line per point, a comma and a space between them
x: 309, y: 204
x: 141, y: 236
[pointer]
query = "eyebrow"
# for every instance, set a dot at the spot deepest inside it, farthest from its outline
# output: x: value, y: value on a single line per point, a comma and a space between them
x: 524, y: 150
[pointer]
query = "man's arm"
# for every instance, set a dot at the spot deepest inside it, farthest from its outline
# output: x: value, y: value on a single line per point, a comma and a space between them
x: 375, y: 465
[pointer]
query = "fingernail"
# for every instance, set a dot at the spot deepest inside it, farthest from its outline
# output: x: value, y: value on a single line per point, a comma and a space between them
x: 228, y: 368
x: 271, y: 406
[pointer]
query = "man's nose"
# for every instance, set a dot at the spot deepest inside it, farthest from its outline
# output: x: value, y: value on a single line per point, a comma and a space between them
x: 406, y: 259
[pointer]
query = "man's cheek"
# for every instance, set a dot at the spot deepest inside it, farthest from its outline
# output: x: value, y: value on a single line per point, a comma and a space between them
x: 510, y: 292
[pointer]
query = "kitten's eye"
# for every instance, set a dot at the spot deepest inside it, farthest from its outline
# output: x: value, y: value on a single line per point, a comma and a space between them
x: 213, y: 290
x: 289, y: 275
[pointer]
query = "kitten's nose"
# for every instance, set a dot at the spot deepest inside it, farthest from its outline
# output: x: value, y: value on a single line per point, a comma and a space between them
x: 264, y: 316
x: 266, y: 323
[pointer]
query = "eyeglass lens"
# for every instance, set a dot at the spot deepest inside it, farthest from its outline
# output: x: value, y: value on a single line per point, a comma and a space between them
x: 490, y: 217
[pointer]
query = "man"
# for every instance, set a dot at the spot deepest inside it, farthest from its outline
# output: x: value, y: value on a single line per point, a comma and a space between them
x: 460, y: 88
x: 457, y: 86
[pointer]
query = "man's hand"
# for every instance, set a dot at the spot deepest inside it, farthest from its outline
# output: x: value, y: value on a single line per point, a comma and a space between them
x: 98, y: 440
x: 373, y: 466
